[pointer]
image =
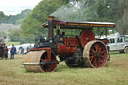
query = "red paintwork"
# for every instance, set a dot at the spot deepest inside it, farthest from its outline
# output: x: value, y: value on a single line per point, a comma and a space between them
x: 66, y: 50
x: 49, y: 67
x: 86, y: 36
x: 48, y: 50
x: 60, y: 22
x: 71, y: 41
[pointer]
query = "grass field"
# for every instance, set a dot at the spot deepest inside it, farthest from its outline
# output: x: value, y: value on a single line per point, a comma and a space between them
x: 114, y: 73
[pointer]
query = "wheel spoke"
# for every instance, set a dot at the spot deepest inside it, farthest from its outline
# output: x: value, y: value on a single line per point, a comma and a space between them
x: 100, y: 62
x: 92, y: 56
x: 101, y: 53
x: 91, y: 53
x: 94, y: 61
x: 93, y: 50
x: 96, y: 64
x: 100, y: 49
x: 101, y: 58
x: 97, y: 47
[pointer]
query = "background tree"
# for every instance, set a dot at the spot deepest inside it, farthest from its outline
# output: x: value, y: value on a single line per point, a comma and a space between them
x: 18, y: 19
x: 3, y: 17
x: 33, y: 23
x: 96, y: 10
x: 3, y: 34
x: 29, y: 38
x: 14, y: 35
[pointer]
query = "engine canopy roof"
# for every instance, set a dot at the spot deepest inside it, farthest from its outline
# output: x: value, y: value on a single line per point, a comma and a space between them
x: 80, y: 25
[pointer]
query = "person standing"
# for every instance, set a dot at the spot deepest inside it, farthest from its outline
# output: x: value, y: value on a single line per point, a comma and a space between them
x: 22, y: 51
x: 12, y: 51
x: 6, y: 52
x: 28, y: 48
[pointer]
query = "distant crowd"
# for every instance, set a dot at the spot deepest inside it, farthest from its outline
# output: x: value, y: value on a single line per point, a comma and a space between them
x: 4, y: 51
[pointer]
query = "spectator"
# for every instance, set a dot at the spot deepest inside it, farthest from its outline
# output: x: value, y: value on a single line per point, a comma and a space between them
x: 22, y: 50
x: 28, y: 48
x: 12, y: 51
x: 6, y: 52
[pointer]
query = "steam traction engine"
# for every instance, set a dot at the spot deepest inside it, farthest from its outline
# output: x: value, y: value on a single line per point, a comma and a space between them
x: 80, y: 50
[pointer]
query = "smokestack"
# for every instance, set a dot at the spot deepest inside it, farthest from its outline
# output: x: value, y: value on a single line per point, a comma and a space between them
x: 50, y: 27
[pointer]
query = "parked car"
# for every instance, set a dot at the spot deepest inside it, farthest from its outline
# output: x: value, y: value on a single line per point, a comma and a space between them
x: 118, y: 43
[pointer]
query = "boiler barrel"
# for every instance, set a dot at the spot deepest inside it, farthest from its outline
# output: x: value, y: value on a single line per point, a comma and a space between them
x: 66, y: 50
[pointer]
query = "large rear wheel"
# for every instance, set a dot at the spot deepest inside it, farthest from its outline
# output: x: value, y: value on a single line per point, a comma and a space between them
x: 95, y: 54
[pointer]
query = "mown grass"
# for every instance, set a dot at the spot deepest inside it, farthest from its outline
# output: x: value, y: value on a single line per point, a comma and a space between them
x: 114, y: 73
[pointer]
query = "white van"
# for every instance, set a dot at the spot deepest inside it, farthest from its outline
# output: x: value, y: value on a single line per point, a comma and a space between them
x: 118, y: 43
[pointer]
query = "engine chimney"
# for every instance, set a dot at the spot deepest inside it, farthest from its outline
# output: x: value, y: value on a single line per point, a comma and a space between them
x: 50, y: 27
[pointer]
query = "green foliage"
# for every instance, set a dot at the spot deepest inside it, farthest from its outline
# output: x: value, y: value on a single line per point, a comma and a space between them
x: 3, y: 34
x: 14, y: 35
x: 98, y: 11
x: 109, y: 11
x: 3, y: 17
x: 18, y: 19
x: 33, y: 23
x: 14, y: 19
x: 29, y: 38
x: 17, y: 36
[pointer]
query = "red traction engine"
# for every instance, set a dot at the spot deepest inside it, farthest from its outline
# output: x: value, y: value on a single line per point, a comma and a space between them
x: 80, y: 50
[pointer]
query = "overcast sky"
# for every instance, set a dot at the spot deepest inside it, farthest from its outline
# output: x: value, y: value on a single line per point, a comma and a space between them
x: 13, y: 7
